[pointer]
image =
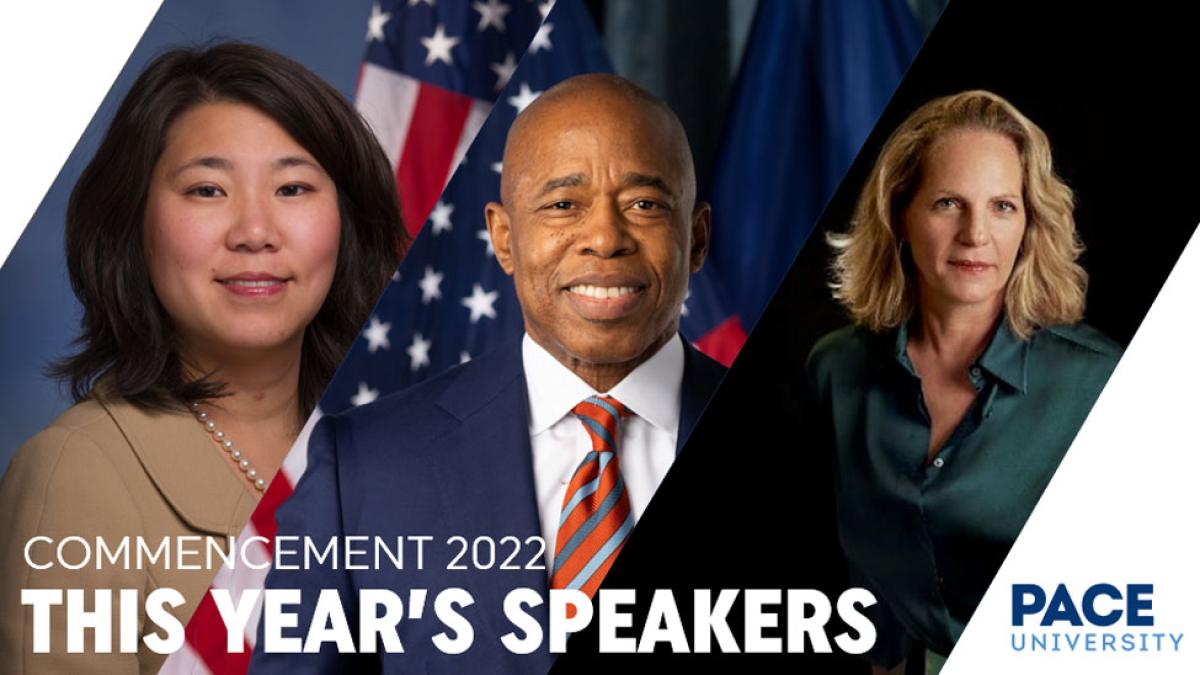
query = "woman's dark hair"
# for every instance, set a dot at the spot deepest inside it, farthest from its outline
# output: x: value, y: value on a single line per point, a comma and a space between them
x: 127, y: 337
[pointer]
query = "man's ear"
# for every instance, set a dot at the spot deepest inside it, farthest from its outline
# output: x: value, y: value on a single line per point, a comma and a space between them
x: 500, y: 229
x: 701, y: 227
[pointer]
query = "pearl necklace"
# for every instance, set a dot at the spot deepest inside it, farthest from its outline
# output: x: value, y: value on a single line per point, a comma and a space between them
x: 226, y: 444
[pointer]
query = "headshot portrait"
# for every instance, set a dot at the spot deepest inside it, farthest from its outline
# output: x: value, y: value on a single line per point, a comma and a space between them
x: 225, y: 243
x: 967, y: 369
x: 566, y: 432
x: 903, y: 404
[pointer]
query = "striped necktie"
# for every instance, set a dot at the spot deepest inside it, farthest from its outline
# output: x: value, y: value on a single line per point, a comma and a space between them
x: 596, y: 518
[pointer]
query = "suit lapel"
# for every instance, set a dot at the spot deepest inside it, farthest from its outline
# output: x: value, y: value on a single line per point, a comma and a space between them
x: 487, y: 457
x: 485, y: 467
x: 701, y: 375
x: 486, y: 476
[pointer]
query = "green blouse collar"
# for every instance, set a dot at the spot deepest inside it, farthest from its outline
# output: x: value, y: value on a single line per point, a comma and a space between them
x: 1004, y: 358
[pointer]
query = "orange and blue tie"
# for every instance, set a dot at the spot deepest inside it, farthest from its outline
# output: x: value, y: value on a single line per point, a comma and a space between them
x: 596, y: 517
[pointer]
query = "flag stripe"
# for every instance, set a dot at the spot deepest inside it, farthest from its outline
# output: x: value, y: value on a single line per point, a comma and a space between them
x: 724, y: 341
x: 201, y: 632
x: 263, y: 517
x: 474, y: 122
x: 184, y: 662
x: 244, y: 577
x: 205, y: 632
x: 386, y: 100
x: 438, y: 120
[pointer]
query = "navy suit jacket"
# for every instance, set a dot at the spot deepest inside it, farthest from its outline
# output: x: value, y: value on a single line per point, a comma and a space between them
x: 448, y: 457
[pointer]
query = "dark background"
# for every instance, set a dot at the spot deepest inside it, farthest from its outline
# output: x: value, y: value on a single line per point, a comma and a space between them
x: 749, y: 504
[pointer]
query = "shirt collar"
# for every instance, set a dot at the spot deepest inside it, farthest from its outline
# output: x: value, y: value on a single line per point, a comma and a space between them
x: 1003, y: 358
x: 901, y: 349
x: 652, y: 391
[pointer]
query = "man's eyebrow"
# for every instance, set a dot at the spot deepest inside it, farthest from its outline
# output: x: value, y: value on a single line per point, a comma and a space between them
x: 645, y: 180
x: 207, y: 162
x: 570, y: 180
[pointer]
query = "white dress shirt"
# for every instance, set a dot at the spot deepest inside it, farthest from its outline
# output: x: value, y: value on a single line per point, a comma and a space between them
x: 646, y: 446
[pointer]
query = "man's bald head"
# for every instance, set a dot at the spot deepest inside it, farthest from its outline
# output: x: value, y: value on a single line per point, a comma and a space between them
x: 599, y: 228
x: 593, y: 97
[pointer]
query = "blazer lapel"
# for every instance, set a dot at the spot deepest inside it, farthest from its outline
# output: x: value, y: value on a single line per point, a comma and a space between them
x: 186, y: 466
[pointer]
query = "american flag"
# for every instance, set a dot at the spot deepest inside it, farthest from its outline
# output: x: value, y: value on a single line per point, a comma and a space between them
x: 450, y: 300
x: 440, y: 86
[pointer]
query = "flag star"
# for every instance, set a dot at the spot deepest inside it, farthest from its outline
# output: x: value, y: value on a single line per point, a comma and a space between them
x: 481, y: 303
x: 545, y: 7
x: 683, y: 310
x: 431, y: 285
x: 396, y: 275
x: 438, y: 46
x: 463, y: 357
x: 491, y: 13
x: 377, y: 335
x: 375, y: 24
x: 498, y: 167
x: 523, y: 98
x: 418, y: 352
x: 504, y: 71
x: 365, y: 395
x: 542, y: 39
x: 414, y: 3
x: 441, y: 217
x: 487, y: 238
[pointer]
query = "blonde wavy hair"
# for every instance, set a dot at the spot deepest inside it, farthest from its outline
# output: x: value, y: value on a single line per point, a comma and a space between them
x: 1047, y: 285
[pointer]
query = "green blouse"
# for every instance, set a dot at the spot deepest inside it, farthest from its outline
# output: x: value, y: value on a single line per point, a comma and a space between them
x: 928, y: 536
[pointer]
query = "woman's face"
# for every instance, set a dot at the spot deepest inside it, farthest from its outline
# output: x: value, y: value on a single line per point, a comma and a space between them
x: 241, y: 233
x: 965, y: 223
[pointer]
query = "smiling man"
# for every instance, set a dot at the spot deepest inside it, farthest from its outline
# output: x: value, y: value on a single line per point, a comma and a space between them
x: 560, y: 438
x: 599, y: 226
x: 600, y: 229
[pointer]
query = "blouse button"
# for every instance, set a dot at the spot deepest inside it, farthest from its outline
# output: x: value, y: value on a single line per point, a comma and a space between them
x: 975, y: 371
x: 938, y: 462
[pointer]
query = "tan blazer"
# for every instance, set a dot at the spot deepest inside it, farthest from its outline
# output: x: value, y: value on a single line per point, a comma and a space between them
x: 106, y: 468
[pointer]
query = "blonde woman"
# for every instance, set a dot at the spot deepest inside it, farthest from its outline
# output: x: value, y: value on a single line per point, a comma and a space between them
x: 967, y: 370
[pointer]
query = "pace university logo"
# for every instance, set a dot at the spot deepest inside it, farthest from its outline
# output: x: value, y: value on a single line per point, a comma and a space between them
x: 1103, y: 618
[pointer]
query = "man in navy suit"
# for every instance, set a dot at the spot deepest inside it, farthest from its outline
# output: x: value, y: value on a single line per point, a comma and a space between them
x: 600, y: 229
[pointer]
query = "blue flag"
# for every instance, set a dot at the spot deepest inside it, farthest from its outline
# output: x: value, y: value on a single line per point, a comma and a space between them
x: 814, y: 79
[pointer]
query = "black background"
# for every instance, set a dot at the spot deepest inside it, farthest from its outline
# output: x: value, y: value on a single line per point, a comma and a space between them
x: 749, y: 503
